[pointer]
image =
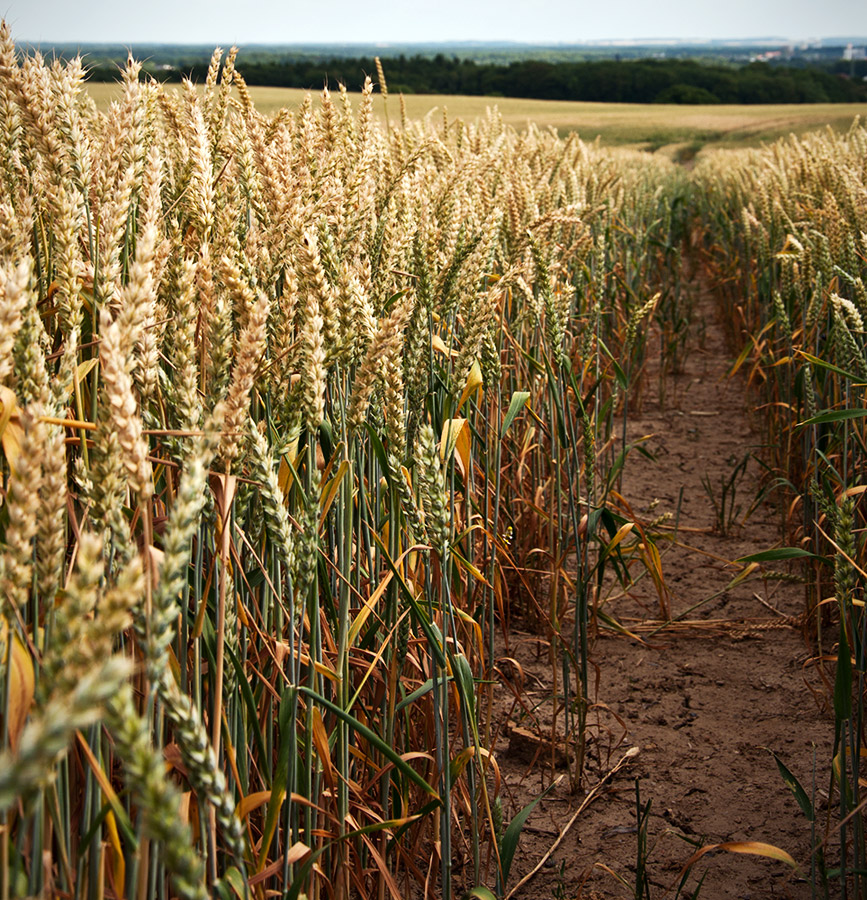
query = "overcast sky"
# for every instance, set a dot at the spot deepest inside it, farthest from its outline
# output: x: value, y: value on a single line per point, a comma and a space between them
x: 337, y: 21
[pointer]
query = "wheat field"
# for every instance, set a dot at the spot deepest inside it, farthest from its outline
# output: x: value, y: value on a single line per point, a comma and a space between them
x: 649, y: 126
x: 299, y: 405
x: 279, y: 397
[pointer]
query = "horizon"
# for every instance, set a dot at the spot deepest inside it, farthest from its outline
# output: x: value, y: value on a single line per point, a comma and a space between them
x: 770, y: 40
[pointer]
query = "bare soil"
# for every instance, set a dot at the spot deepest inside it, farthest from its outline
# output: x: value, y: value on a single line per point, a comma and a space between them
x: 702, y: 702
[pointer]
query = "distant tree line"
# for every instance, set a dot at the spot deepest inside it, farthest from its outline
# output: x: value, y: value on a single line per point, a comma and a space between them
x: 610, y: 81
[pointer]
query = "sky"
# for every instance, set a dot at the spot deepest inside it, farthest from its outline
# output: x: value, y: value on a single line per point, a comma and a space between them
x: 225, y: 22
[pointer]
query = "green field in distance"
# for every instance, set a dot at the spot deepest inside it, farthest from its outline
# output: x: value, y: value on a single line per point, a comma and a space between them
x: 652, y: 126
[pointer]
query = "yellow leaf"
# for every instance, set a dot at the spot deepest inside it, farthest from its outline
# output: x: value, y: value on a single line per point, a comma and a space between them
x: 474, y: 626
x: 364, y: 612
x: 99, y: 773
x: 284, y: 476
x: 20, y: 686
x: 456, y: 436
x: 116, y: 809
x: 459, y: 763
x: 653, y: 563
x: 469, y: 567
x: 474, y: 382
x: 223, y: 488
x: 439, y: 345
x: 325, y: 672
x: 184, y: 808
x: 755, y: 848
x: 329, y: 492
x: 297, y: 852
x: 243, y: 615
x: 84, y: 369
x: 790, y: 248
x: 464, y: 448
x: 251, y: 802
x: 323, y: 750
x: 117, y: 851
x: 11, y: 432
x: 744, y: 573
x: 618, y: 538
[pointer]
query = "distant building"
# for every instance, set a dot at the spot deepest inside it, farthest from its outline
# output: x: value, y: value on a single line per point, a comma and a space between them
x: 851, y: 53
x: 767, y: 56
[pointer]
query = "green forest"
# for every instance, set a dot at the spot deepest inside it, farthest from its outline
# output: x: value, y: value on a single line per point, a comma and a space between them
x: 608, y: 81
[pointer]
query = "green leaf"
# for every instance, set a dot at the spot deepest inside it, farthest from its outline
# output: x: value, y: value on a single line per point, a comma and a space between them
x: 221, y: 890
x: 466, y: 685
x: 389, y: 824
x: 286, y: 729
x: 826, y: 365
x: 372, y: 737
x: 620, y: 461
x: 91, y: 832
x: 479, y: 893
x: 417, y: 693
x: 426, y: 810
x: 252, y: 709
x: 234, y: 878
x: 794, y: 786
x: 519, y: 398
x: 513, y: 833
x: 379, y: 451
x: 619, y: 374
x: 782, y: 553
x: 431, y: 632
x: 834, y: 415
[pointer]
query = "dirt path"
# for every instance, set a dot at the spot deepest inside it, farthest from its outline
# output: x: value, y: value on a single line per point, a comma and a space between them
x: 701, y: 704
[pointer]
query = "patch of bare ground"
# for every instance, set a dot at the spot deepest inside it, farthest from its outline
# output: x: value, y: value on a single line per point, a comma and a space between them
x: 702, y: 702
